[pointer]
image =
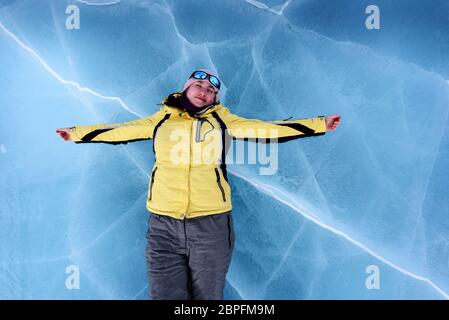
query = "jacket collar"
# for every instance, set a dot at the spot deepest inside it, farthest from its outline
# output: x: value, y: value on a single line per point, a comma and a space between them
x: 172, y: 102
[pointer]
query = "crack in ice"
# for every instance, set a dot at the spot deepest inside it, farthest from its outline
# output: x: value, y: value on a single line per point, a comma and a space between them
x: 292, y: 203
x: 362, y: 47
x: 273, y: 192
x: 140, y: 292
x: 98, y: 4
x: 263, y: 6
x: 62, y: 80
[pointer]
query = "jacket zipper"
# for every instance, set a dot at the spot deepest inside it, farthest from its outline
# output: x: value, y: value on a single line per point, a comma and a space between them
x: 199, y: 122
x: 190, y: 158
x: 219, y: 184
x: 152, y: 182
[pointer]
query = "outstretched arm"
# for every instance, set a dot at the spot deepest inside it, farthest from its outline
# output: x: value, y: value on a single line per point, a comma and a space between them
x: 116, y: 133
x: 281, y: 130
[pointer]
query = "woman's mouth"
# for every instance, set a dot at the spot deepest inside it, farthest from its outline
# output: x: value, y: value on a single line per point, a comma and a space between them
x: 200, y: 99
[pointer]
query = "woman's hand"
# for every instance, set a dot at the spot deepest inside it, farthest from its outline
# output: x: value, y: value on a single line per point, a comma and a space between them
x: 64, y: 133
x: 332, y: 122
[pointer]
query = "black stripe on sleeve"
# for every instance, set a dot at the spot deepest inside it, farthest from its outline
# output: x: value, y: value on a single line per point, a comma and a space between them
x: 114, y: 142
x: 91, y: 135
x: 300, y: 127
x: 305, y: 132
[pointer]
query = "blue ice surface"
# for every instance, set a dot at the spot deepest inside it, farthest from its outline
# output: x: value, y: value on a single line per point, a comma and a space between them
x: 372, y: 194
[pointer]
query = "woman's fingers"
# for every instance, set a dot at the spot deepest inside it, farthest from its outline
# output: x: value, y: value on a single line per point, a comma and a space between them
x: 63, y: 133
x: 334, y: 121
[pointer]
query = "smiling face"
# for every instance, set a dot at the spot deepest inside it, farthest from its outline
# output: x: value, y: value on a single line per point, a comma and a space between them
x: 201, y: 93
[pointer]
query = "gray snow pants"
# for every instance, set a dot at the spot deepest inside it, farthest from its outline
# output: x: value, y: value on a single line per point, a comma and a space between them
x: 188, y: 259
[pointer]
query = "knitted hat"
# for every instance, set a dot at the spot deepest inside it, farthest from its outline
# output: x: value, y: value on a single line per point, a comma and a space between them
x: 190, y: 81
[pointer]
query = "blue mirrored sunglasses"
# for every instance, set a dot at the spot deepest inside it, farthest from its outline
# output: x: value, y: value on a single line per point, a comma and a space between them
x: 201, y: 75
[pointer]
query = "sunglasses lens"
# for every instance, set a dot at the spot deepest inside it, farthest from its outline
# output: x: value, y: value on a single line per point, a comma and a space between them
x: 200, y: 75
x: 214, y: 81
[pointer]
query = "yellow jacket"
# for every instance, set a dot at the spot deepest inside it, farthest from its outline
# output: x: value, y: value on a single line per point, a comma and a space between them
x: 189, y: 177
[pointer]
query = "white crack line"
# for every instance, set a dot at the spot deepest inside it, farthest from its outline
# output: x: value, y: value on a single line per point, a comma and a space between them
x: 140, y: 292
x: 263, y: 6
x: 266, y: 188
x: 97, y: 4
x: 59, y: 78
x: 272, y: 192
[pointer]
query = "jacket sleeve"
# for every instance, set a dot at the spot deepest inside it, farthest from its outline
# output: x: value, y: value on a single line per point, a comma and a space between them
x: 281, y: 130
x: 116, y: 133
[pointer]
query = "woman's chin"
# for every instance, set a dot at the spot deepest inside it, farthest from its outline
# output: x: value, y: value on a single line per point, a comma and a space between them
x: 199, y: 104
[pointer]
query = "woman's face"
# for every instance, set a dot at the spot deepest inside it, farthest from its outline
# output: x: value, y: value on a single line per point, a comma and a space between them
x: 201, y: 94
